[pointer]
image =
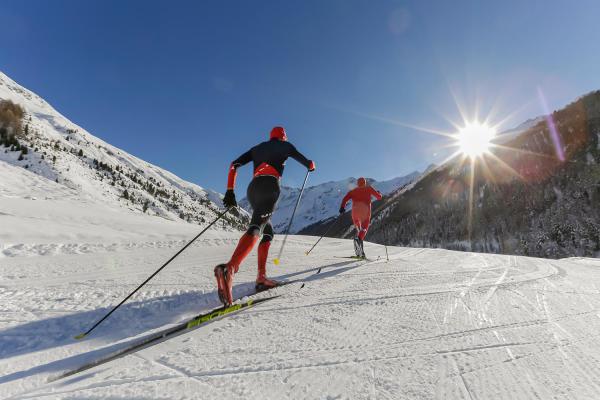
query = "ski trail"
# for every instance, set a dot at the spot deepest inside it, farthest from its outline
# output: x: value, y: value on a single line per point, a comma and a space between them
x: 428, y: 324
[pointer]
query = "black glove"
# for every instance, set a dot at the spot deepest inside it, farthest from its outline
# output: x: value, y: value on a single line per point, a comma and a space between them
x: 342, y: 210
x: 229, y: 199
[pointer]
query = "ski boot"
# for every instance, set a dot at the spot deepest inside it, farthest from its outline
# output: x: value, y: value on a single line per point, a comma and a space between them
x: 357, y: 247
x: 362, y: 249
x: 224, y: 276
x: 262, y: 282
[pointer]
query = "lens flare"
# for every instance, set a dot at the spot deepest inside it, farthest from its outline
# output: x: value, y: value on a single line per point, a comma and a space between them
x: 475, y: 139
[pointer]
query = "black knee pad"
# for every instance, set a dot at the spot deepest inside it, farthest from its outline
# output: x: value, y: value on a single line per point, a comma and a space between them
x: 267, y: 233
x: 253, y: 230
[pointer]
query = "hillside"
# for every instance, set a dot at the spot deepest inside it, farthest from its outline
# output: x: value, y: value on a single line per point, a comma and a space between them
x: 321, y: 201
x: 51, y: 146
x: 526, y: 200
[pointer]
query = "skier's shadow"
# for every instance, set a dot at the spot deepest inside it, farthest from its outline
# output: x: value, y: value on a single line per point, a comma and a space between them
x: 131, y: 320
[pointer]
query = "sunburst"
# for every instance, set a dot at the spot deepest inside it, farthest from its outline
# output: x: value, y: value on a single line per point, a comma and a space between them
x: 475, y: 139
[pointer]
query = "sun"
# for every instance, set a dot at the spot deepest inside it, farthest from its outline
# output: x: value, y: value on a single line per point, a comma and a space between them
x: 475, y: 139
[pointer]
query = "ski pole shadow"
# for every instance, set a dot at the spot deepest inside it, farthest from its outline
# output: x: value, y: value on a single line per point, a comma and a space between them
x: 68, y: 363
x: 329, y: 274
x: 306, y: 271
x: 131, y: 321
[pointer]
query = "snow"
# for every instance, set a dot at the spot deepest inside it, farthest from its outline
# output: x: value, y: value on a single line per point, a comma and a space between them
x: 429, y: 323
x: 322, y: 201
x: 54, y: 144
x: 39, y: 216
x: 510, y: 134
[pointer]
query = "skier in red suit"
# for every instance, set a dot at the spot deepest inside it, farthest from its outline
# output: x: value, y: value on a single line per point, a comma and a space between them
x: 361, y: 197
x: 269, y: 160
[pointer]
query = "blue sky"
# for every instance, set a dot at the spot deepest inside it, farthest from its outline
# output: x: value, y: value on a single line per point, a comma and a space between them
x: 190, y: 85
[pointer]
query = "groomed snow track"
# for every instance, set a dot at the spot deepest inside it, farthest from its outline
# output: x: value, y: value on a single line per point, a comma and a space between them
x: 428, y: 324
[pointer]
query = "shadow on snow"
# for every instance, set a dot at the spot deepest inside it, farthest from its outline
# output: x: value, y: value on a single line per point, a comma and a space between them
x: 129, y: 321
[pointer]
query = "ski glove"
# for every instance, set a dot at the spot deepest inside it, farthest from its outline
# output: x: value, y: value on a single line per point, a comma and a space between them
x: 229, y: 199
x: 312, y: 166
x: 342, y: 210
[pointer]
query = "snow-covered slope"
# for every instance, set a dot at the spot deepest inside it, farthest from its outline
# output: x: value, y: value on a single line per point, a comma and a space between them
x: 63, y: 152
x: 41, y: 217
x: 428, y: 324
x: 510, y: 134
x: 322, y: 201
x: 391, y: 189
x: 536, y: 195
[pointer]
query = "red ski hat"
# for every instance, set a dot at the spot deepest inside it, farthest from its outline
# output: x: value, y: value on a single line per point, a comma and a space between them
x: 278, y: 133
x: 361, y: 182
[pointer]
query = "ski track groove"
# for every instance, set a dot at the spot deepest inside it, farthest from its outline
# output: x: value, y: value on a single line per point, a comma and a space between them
x: 494, y: 319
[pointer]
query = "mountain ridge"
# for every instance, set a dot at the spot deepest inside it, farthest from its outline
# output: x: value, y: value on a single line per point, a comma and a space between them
x: 322, y: 201
x: 537, y: 195
x: 54, y: 147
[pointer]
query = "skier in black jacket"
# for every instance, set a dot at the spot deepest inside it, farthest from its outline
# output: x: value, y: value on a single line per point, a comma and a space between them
x: 269, y: 161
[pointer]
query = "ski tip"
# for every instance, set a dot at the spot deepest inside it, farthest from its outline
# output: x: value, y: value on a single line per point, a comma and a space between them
x: 276, y: 261
x: 80, y: 336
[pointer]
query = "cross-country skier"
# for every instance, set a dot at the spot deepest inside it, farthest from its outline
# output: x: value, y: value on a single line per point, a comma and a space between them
x: 361, y: 211
x: 263, y: 192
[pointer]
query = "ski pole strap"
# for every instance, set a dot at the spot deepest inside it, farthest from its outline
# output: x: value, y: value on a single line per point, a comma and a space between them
x: 221, y: 215
x: 287, y: 231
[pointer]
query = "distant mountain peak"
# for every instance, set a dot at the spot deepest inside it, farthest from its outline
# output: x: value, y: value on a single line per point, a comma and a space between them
x: 322, y: 201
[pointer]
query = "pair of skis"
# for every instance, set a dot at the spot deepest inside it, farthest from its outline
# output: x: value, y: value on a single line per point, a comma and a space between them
x: 179, y: 329
x: 169, y: 333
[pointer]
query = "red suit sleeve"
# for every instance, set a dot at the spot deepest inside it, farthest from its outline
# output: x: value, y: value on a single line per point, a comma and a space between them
x: 346, y: 198
x: 241, y: 160
x: 231, y: 177
x: 375, y: 193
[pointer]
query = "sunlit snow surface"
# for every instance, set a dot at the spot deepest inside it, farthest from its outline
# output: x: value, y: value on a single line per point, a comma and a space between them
x: 427, y: 324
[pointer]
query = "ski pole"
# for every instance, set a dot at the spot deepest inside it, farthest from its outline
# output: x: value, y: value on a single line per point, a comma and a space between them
x: 82, y: 335
x: 287, y: 231
x: 325, y: 234
x: 385, y: 244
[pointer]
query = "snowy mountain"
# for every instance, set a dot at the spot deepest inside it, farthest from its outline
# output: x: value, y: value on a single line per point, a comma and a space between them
x: 511, y: 134
x: 322, y: 201
x: 52, y: 147
x: 538, y: 195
